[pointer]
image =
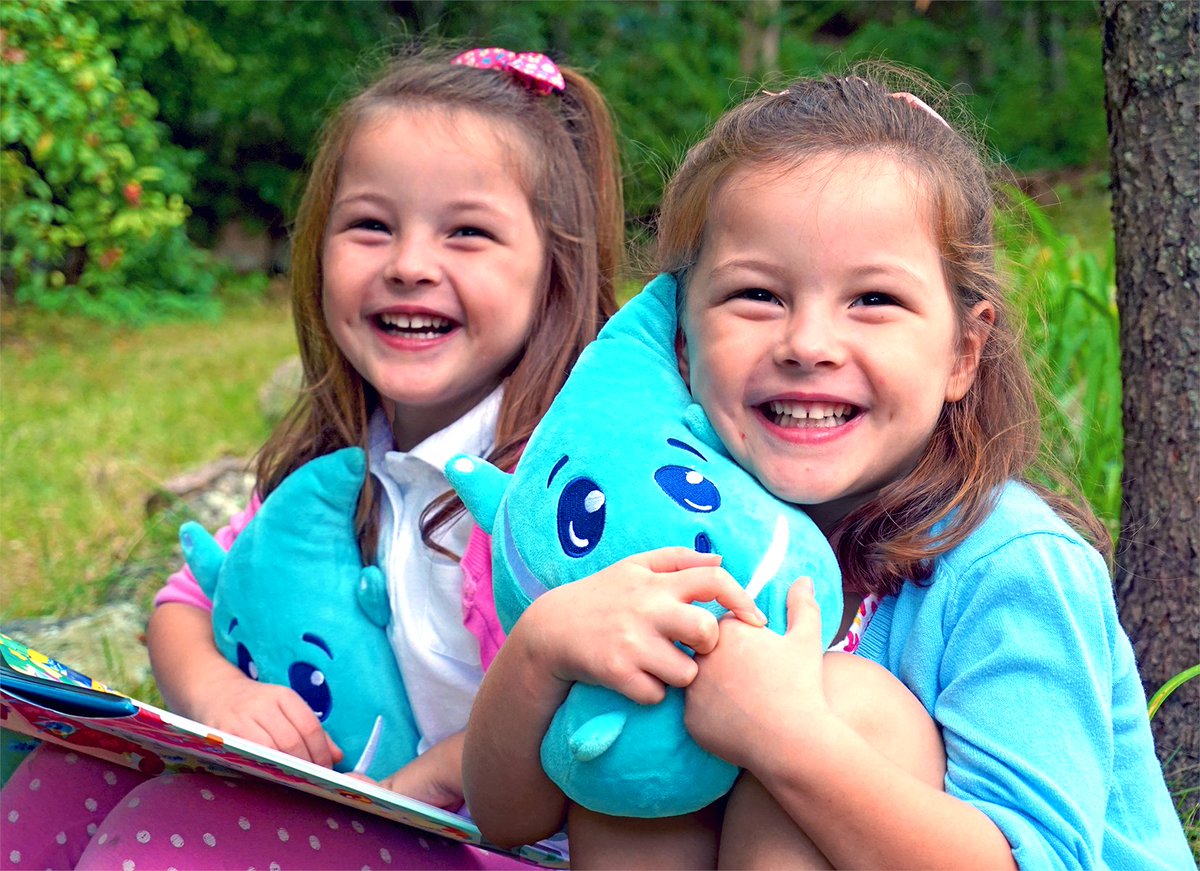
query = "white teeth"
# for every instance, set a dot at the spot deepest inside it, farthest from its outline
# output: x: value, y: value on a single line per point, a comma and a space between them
x: 811, y: 414
x: 417, y: 325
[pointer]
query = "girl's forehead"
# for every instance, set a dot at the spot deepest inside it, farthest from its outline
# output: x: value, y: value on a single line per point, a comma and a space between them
x: 816, y: 172
x: 434, y: 126
x: 818, y: 182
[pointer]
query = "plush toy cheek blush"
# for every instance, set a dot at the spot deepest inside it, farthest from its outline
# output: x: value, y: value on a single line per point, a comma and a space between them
x: 625, y: 462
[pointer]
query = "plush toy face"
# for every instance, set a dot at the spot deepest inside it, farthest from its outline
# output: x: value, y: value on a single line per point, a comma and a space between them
x: 624, y: 462
x: 293, y: 605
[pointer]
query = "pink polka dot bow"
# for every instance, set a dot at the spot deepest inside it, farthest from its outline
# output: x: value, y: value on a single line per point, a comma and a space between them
x: 532, y: 69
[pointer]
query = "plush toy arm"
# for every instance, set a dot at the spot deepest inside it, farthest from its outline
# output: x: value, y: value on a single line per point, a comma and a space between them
x: 203, y: 555
x: 372, y: 596
x: 481, y: 486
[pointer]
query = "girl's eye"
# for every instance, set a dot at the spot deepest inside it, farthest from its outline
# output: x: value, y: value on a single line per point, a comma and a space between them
x: 472, y: 232
x: 756, y: 294
x: 370, y: 224
x: 875, y: 298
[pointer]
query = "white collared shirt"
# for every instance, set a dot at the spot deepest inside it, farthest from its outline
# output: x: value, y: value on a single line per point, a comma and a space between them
x: 437, y: 655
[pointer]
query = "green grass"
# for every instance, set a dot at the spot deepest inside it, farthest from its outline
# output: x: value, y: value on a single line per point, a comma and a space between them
x: 95, y: 419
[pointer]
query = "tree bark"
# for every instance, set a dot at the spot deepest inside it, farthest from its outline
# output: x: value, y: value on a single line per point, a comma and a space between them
x: 1152, y: 78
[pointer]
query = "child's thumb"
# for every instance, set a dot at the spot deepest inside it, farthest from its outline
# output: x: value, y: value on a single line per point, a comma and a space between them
x: 804, y: 614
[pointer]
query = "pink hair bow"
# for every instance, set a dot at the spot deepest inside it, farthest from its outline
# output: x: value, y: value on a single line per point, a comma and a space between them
x: 920, y: 105
x: 532, y: 69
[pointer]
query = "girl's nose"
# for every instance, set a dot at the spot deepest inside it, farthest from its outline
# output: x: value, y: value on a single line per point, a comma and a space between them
x: 810, y: 339
x: 412, y: 261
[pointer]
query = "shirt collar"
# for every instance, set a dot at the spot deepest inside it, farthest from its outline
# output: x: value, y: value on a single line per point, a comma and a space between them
x: 473, y: 433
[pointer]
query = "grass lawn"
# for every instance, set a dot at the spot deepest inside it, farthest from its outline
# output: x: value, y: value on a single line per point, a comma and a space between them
x: 95, y: 418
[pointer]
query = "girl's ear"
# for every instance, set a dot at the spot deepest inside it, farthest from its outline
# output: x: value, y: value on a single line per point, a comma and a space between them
x: 976, y: 330
x: 681, y: 354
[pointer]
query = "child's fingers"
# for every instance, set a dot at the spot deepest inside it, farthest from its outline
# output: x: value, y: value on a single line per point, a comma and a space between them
x: 308, y: 739
x: 713, y: 583
x: 674, y: 559
x: 662, y: 666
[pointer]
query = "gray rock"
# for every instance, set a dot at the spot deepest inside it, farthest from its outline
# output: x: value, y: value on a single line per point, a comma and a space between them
x: 107, y: 645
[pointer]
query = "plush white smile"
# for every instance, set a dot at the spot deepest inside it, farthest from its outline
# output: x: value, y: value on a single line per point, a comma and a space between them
x: 414, y: 326
x: 813, y: 415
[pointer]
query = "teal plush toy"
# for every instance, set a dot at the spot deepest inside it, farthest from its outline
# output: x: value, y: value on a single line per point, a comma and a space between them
x: 293, y: 605
x: 622, y: 463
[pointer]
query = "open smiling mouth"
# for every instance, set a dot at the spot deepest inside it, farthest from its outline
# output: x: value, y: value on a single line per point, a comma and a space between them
x: 809, y: 415
x: 414, y: 326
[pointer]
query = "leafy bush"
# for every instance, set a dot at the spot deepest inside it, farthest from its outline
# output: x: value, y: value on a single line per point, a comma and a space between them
x: 1067, y: 297
x: 93, y: 191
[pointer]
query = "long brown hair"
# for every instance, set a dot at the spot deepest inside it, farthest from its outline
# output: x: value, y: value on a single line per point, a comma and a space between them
x: 993, y: 433
x: 572, y: 176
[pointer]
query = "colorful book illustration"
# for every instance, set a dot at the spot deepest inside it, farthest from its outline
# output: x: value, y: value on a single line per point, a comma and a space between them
x: 47, y: 700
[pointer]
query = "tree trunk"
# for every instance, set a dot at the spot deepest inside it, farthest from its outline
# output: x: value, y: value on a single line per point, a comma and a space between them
x: 760, y: 38
x: 1152, y: 77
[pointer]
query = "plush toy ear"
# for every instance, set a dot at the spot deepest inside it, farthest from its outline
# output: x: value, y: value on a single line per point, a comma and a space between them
x: 649, y: 319
x: 372, y: 596
x: 203, y: 555
x: 481, y: 486
x: 698, y: 423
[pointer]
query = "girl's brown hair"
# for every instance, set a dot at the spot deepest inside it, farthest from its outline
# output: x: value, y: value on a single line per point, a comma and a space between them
x: 572, y: 174
x: 993, y: 433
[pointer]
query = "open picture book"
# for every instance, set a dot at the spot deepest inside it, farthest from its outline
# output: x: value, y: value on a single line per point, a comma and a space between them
x: 47, y: 700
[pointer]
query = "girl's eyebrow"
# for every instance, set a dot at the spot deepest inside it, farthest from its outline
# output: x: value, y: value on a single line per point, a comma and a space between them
x: 734, y: 264
x: 893, y: 270
x: 368, y: 197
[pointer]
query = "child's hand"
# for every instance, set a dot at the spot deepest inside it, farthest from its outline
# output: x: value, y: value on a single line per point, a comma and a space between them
x: 274, y: 716
x: 753, y: 683
x: 618, y: 628
x: 435, y: 777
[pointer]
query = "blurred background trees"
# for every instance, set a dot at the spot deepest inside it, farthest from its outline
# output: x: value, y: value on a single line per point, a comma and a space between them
x: 126, y: 122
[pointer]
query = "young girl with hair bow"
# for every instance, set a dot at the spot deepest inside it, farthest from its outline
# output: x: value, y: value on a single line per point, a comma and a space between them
x: 845, y: 329
x: 455, y: 249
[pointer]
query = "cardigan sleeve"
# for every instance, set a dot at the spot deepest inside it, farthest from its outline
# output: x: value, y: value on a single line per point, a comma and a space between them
x: 182, y: 586
x: 1025, y: 697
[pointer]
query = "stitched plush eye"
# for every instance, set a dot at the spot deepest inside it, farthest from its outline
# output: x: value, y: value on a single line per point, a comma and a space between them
x: 581, y: 513
x: 689, y: 489
x: 309, y: 682
x: 246, y: 663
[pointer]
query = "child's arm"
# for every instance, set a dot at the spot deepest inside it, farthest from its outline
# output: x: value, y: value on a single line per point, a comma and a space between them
x: 434, y: 777
x: 198, y: 682
x: 617, y: 629
x: 834, y: 757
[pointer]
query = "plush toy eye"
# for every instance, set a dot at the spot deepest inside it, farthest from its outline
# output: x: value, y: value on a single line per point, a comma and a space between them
x: 689, y: 489
x: 580, y: 517
x: 309, y: 682
x: 246, y: 662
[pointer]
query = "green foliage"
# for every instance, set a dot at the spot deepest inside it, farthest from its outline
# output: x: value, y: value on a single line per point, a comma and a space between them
x: 1174, y: 683
x: 93, y: 191
x: 283, y: 66
x: 1030, y: 71
x: 668, y: 68
x: 1067, y: 296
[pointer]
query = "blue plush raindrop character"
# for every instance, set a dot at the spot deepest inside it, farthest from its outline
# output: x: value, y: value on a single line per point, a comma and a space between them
x: 625, y: 462
x: 293, y: 605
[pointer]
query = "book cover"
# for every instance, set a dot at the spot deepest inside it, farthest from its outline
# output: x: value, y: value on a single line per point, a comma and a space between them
x: 47, y: 700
